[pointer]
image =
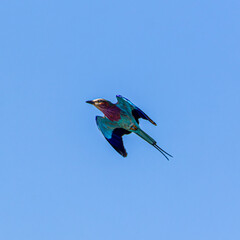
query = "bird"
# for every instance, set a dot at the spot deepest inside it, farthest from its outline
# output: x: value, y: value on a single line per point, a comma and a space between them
x: 122, y: 118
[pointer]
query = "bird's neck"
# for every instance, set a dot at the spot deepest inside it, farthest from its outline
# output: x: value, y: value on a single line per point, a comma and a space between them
x: 112, y: 112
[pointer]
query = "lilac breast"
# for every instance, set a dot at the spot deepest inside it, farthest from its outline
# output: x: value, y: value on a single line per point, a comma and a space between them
x: 112, y: 113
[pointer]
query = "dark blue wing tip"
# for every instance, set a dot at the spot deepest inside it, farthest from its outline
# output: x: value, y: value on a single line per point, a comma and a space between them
x: 120, y: 96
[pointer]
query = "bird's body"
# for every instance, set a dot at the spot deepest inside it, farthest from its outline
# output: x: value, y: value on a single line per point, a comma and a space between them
x: 121, y: 118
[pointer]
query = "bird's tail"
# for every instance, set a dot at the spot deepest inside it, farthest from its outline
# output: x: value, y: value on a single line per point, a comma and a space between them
x: 150, y: 140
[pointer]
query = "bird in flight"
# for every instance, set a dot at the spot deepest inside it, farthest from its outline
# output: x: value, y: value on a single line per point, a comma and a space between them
x: 119, y: 119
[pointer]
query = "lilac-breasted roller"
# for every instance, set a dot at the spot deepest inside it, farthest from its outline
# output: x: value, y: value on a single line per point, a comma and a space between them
x: 122, y: 118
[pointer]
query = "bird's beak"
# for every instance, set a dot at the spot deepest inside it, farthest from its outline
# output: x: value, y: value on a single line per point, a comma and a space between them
x: 90, y: 102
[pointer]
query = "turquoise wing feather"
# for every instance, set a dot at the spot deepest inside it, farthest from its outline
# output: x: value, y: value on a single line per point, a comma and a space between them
x: 112, y: 133
x: 133, y: 109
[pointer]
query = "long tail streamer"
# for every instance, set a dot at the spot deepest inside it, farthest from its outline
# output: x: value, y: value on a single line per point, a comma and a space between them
x: 164, y: 153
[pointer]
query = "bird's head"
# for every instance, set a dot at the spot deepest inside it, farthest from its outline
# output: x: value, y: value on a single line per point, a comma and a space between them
x: 100, y: 103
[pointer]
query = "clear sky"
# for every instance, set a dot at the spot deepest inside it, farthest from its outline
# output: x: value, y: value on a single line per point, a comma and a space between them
x: 176, y: 60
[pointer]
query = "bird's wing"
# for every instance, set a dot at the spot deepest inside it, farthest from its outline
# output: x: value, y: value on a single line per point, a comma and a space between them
x: 136, y: 112
x: 112, y: 133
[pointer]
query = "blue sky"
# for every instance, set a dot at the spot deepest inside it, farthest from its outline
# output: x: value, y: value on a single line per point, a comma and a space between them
x: 176, y: 60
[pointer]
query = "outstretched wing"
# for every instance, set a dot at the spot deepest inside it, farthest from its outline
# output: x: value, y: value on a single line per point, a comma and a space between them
x: 136, y: 112
x: 112, y: 133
